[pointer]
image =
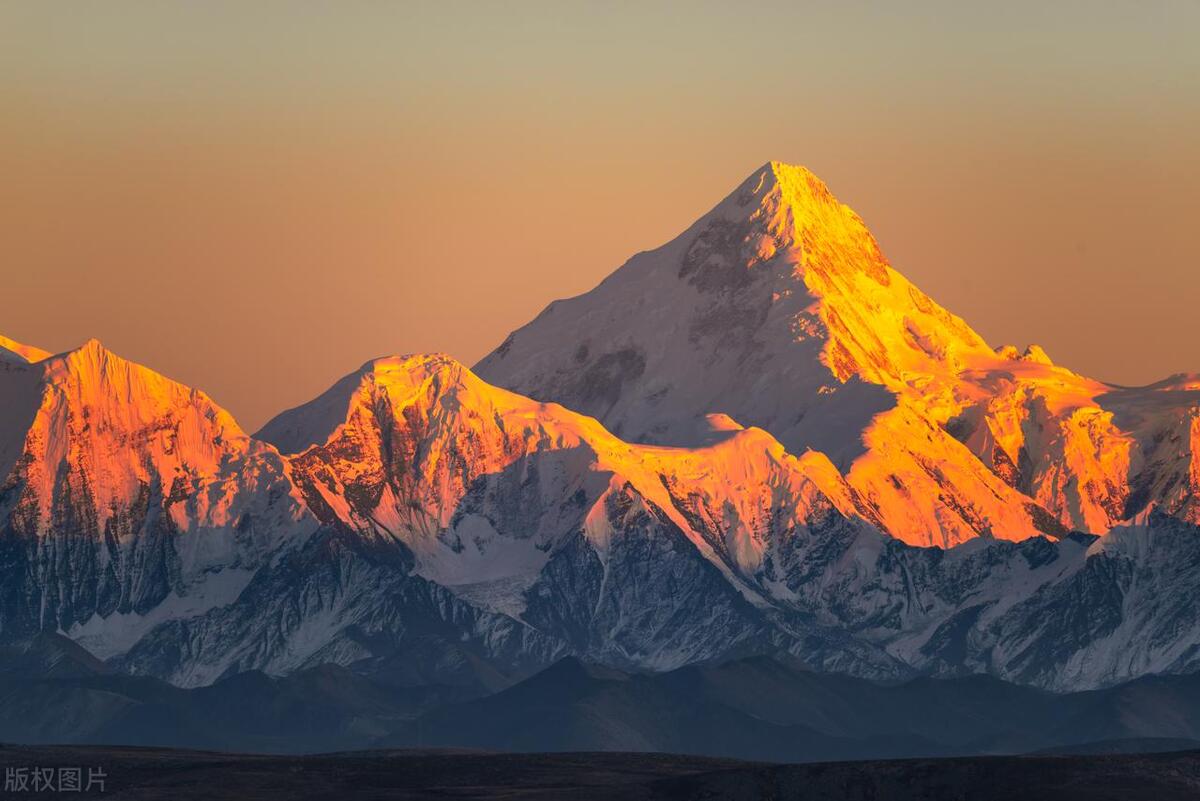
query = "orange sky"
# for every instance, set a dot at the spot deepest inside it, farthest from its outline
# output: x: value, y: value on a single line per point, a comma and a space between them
x: 256, y: 198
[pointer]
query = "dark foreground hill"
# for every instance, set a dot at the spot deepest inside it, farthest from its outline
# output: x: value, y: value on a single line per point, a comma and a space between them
x: 761, y: 708
x: 131, y: 773
x: 770, y: 709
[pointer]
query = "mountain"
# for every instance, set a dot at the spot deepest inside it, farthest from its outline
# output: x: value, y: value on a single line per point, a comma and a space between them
x: 126, y: 498
x: 757, y: 439
x: 626, y: 554
x: 778, y: 310
x: 135, y: 512
x: 427, y: 527
x: 656, y: 557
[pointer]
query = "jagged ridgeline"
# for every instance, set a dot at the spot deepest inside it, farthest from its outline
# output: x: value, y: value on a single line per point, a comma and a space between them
x: 757, y: 438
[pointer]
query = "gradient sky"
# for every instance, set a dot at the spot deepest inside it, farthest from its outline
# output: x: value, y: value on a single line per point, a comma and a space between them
x: 256, y: 197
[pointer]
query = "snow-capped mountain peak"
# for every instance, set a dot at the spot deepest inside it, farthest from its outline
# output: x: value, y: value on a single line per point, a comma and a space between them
x: 779, y: 292
x: 778, y: 310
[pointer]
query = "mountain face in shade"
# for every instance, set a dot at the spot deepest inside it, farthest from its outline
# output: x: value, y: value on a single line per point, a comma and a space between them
x: 777, y: 310
x: 759, y: 438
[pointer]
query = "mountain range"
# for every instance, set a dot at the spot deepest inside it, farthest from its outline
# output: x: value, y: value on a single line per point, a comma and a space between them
x: 758, y: 440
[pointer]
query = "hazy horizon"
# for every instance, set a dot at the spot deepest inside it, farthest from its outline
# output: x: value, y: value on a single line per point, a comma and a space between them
x: 256, y: 200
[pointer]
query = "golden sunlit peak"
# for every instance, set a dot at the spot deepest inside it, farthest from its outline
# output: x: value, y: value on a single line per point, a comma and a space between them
x: 793, y: 210
x: 795, y: 185
x: 799, y: 175
x: 92, y: 345
x: 92, y: 350
x: 412, y: 364
x: 795, y: 193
